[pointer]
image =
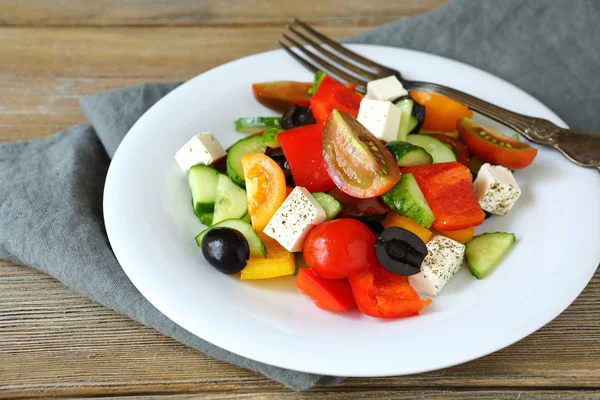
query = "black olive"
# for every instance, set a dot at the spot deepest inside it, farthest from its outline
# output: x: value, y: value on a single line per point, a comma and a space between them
x: 296, y: 116
x: 400, y: 251
x: 487, y: 214
x: 375, y: 227
x: 278, y: 156
x: 226, y: 249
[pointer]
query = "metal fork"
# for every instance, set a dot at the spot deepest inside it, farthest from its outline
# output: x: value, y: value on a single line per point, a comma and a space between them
x: 323, y: 53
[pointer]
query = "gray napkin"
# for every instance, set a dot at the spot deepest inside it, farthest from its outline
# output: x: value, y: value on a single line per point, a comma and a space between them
x: 51, y: 189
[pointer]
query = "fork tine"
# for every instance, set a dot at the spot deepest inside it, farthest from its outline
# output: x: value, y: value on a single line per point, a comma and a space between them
x: 327, y: 66
x: 339, y: 48
x: 301, y: 60
x: 354, y: 68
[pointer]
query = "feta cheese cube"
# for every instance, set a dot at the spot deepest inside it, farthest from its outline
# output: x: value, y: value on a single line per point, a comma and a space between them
x: 201, y: 149
x: 381, y: 118
x: 388, y: 89
x: 292, y: 221
x: 496, y: 189
x: 444, y: 258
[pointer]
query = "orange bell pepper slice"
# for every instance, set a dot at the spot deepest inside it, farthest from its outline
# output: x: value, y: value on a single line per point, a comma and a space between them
x: 441, y: 112
x: 393, y: 219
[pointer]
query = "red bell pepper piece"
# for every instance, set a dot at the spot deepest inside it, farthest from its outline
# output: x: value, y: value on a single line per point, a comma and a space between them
x: 382, y: 294
x: 448, y: 190
x: 328, y: 294
x: 302, y: 149
x: 332, y: 95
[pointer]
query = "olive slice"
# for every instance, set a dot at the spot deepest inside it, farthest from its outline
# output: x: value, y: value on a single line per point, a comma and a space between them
x: 297, y: 116
x: 400, y: 251
x: 226, y: 249
x: 375, y: 227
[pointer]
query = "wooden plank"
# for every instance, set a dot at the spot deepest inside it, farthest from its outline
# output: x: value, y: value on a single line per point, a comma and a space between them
x: 388, y: 394
x: 56, y: 343
x: 205, y: 13
x: 144, y: 53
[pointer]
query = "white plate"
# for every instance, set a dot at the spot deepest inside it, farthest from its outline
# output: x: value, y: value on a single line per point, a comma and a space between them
x: 151, y: 229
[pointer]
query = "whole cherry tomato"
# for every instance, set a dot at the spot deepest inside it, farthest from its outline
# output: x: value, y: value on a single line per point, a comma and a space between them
x: 340, y: 248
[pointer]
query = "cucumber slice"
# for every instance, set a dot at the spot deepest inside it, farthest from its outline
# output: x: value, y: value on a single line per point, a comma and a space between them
x: 406, y: 198
x: 252, y: 144
x: 405, y: 105
x: 317, y: 81
x: 257, y: 247
x: 230, y: 200
x: 412, y: 124
x: 269, y: 138
x: 453, y: 134
x: 206, y: 219
x: 203, y: 184
x: 516, y: 137
x: 256, y: 124
x: 408, y: 155
x: 329, y: 203
x: 484, y: 251
x: 438, y: 150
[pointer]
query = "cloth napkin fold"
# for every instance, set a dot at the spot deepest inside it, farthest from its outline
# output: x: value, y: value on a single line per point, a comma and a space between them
x: 51, y: 189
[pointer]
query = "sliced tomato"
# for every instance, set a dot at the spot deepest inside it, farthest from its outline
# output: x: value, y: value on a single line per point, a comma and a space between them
x: 382, y: 294
x: 353, y: 207
x: 441, y: 112
x: 332, y: 95
x: 328, y: 294
x: 357, y: 162
x: 449, y: 193
x: 281, y: 95
x: 265, y: 188
x: 340, y: 248
x: 459, y: 148
x: 493, y: 147
x: 302, y: 149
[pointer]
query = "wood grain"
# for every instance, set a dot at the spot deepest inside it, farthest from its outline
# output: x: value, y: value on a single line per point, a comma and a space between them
x: 206, y: 13
x: 67, y: 345
x: 55, y: 343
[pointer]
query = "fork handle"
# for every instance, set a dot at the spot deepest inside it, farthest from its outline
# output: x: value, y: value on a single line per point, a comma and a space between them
x: 581, y: 147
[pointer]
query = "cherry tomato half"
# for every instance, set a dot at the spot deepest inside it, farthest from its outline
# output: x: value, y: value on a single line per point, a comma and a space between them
x: 358, y: 163
x: 265, y: 188
x: 340, y: 248
x: 494, y: 147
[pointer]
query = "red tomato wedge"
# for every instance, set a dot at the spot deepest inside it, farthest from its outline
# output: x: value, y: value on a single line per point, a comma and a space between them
x: 494, y: 147
x: 281, y: 95
x: 441, y: 112
x: 328, y: 294
x: 382, y: 294
x: 357, y: 162
x: 449, y: 193
x: 332, y: 95
x: 302, y: 149
x: 354, y: 207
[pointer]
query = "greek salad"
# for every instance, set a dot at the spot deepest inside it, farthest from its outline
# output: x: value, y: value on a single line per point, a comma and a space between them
x: 370, y: 201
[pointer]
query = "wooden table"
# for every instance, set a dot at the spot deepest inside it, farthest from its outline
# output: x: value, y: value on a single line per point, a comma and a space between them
x: 54, y: 342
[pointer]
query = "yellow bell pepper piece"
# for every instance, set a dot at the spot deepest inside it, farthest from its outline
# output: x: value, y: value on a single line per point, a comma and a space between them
x: 279, y: 262
x: 393, y: 219
x: 461, y: 235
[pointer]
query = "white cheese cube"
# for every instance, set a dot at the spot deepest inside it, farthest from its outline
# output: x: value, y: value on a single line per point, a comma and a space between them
x: 381, y: 118
x: 292, y: 221
x: 201, y: 149
x: 388, y: 89
x: 444, y: 258
x: 496, y: 189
